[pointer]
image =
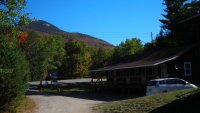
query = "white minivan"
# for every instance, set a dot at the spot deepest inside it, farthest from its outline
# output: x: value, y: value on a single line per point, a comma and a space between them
x: 156, y: 86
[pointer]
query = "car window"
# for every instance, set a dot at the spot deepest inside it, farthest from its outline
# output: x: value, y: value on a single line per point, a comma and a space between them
x: 171, y: 81
x: 178, y: 81
x: 161, y: 82
x: 152, y: 83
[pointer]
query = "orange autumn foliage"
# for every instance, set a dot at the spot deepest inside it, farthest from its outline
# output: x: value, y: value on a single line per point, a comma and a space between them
x: 23, y: 38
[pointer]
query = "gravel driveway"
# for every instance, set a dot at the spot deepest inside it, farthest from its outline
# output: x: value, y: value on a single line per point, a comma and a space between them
x: 72, y: 103
x: 62, y: 104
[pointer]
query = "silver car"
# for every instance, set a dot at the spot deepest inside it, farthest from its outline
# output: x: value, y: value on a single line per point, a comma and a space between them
x: 156, y: 86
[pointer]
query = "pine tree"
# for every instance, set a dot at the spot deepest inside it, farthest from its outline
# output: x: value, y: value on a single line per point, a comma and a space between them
x: 174, y: 11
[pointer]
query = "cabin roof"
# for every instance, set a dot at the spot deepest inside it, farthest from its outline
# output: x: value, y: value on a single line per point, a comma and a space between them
x: 193, y: 19
x: 154, y: 58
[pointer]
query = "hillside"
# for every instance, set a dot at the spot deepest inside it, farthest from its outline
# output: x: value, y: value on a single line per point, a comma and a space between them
x: 48, y: 28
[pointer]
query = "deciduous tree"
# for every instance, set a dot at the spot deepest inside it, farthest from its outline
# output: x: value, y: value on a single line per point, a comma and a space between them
x: 102, y: 57
x: 14, y: 72
x: 11, y: 15
x: 44, y: 54
x: 14, y: 69
x: 77, y: 59
x: 129, y: 47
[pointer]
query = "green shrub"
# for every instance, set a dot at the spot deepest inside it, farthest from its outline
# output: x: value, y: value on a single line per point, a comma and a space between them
x: 14, y: 72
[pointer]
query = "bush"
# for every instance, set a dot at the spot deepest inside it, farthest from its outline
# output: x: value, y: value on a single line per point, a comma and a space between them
x: 14, y: 72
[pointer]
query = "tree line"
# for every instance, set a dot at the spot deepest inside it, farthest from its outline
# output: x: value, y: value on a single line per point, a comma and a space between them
x: 79, y: 58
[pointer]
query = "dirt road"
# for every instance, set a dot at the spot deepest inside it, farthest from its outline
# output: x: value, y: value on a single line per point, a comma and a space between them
x: 62, y: 104
x: 70, y: 103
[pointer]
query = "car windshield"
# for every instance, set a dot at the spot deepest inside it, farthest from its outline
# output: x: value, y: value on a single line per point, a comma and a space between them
x: 152, y: 83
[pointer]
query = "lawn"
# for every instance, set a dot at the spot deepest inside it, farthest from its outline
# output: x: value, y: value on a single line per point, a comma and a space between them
x: 182, y: 101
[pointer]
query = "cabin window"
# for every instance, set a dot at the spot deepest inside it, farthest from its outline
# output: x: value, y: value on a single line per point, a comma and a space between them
x: 187, y: 68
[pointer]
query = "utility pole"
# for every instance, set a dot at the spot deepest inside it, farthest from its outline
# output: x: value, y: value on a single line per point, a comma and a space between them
x: 151, y: 36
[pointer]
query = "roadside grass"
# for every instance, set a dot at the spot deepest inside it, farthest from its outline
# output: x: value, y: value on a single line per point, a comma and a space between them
x: 25, y: 105
x: 65, y: 91
x: 182, y: 101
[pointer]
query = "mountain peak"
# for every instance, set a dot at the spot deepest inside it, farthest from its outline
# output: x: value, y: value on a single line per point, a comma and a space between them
x: 48, y: 28
x: 43, y: 26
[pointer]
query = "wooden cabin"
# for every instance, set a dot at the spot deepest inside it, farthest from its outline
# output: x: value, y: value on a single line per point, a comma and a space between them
x: 181, y: 62
x: 170, y: 62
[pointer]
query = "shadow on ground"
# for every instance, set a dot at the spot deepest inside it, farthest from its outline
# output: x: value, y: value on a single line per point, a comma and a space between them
x: 107, y: 96
x: 188, y: 104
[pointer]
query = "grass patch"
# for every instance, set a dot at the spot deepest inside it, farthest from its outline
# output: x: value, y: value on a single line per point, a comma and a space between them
x: 173, y: 102
x: 65, y: 90
x: 25, y: 105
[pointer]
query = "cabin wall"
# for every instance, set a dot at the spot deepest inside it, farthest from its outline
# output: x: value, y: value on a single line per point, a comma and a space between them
x: 131, y: 78
x: 193, y: 57
x: 176, y: 68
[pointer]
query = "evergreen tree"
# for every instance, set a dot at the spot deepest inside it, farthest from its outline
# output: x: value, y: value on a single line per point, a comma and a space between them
x: 174, y: 11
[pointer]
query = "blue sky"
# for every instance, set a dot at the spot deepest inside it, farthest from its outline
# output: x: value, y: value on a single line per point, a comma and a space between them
x: 110, y: 20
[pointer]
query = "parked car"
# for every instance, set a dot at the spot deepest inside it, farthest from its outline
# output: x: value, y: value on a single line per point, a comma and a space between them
x: 156, y: 86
